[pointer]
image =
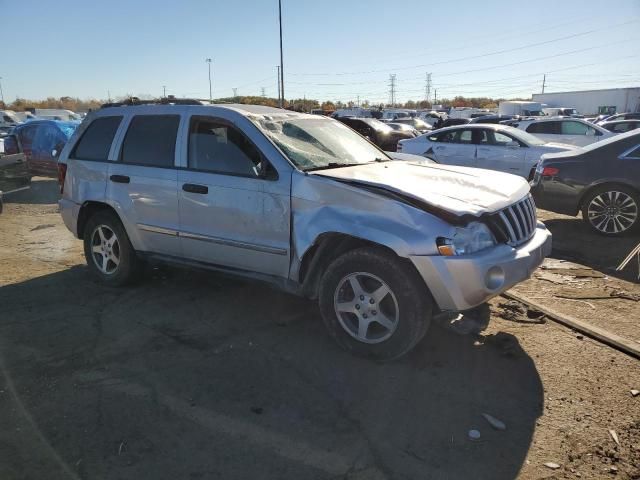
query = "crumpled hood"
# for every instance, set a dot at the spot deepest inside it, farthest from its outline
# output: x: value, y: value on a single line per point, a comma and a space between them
x: 459, y: 190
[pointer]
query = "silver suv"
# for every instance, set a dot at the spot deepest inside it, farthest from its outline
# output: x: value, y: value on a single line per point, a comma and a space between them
x: 300, y: 201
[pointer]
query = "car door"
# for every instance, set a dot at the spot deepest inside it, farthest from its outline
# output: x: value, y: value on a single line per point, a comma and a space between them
x: 142, y: 183
x: 456, y: 147
x: 47, y: 138
x: 498, y: 151
x: 234, y: 209
x: 26, y: 134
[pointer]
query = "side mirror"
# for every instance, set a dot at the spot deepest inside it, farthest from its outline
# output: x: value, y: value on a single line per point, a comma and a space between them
x: 54, y: 153
x: 11, y: 145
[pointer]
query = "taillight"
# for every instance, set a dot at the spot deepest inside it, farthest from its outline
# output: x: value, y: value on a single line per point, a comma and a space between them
x: 550, y: 171
x: 62, y: 174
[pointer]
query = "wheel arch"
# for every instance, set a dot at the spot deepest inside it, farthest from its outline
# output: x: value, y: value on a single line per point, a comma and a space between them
x: 601, y: 183
x: 329, y: 246
x: 87, y: 210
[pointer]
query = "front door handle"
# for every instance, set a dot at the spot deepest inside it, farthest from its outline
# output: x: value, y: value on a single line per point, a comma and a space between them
x: 119, y: 179
x: 193, y: 188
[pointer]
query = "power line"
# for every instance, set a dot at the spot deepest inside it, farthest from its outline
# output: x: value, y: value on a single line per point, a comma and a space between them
x: 473, y: 57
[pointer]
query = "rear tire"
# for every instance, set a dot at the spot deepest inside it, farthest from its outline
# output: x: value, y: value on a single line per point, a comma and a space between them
x: 374, y: 305
x: 110, y: 256
x: 612, y: 210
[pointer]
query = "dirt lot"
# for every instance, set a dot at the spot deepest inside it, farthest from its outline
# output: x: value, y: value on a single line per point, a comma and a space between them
x: 192, y: 375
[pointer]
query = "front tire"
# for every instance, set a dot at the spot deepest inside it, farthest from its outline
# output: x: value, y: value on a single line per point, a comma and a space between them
x: 110, y: 256
x: 612, y: 210
x: 374, y: 305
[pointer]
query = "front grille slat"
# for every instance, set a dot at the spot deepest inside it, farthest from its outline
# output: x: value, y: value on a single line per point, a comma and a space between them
x: 517, y: 220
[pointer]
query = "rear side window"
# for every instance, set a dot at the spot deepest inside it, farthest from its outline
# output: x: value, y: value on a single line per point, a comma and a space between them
x: 543, y: 127
x: 151, y: 140
x: 95, y: 142
x: 576, y: 128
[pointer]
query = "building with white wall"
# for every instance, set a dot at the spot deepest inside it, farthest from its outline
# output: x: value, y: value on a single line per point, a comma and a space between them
x: 593, y: 102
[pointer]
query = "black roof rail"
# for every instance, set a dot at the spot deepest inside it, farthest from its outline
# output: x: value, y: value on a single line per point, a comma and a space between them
x: 168, y: 100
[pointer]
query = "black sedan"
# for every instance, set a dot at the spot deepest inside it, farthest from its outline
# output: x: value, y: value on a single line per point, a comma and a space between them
x: 377, y: 132
x: 602, y: 180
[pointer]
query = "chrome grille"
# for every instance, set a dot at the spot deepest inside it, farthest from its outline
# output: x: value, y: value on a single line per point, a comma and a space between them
x: 517, y: 223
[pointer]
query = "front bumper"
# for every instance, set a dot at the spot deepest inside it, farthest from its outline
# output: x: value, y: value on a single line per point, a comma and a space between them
x: 69, y: 211
x: 461, y: 283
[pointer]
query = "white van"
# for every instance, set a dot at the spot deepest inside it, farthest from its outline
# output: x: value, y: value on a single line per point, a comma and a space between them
x: 561, y: 112
x: 524, y: 109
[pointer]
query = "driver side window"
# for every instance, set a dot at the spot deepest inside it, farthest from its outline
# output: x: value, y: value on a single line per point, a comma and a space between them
x: 215, y: 146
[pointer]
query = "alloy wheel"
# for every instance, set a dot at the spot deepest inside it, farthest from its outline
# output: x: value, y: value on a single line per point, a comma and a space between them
x: 366, y: 307
x: 612, y: 212
x: 105, y: 249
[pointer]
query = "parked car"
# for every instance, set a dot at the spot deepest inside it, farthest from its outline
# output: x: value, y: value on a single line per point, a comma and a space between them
x: 561, y: 112
x: 8, y: 119
x: 565, y: 130
x: 619, y: 116
x: 492, y: 119
x: 431, y: 117
x: 377, y: 132
x: 494, y: 147
x: 416, y: 123
x: 621, y: 126
x: 602, y: 181
x: 450, y: 122
x: 403, y: 127
x: 41, y: 141
x: 300, y: 201
x: 521, y: 108
x: 14, y: 173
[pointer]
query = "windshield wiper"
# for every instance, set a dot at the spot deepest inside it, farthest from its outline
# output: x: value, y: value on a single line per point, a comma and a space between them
x: 333, y: 165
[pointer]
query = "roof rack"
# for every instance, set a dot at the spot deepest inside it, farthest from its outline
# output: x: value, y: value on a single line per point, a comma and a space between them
x: 168, y: 100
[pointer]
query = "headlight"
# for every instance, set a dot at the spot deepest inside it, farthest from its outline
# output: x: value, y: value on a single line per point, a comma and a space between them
x: 470, y: 239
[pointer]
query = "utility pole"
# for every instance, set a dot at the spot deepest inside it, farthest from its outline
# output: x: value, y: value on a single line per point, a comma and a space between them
x: 235, y: 91
x: 392, y: 89
x: 279, y: 91
x: 281, y: 57
x: 435, y: 96
x: 262, y: 92
x: 544, y: 81
x: 427, y: 88
x: 209, y: 61
x: 1, y: 92
x: 164, y: 91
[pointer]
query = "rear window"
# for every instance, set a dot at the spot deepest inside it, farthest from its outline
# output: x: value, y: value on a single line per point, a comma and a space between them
x: 96, y: 141
x: 151, y: 140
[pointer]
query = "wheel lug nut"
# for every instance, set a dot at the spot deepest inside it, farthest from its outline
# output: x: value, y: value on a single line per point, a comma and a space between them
x: 364, y: 315
x: 357, y: 307
x: 372, y: 301
x: 361, y: 297
x: 374, y: 312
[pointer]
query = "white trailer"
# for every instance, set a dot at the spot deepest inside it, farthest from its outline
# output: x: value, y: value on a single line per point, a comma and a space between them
x: 517, y: 107
x: 595, y: 102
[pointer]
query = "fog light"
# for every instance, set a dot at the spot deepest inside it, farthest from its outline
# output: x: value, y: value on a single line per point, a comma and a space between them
x: 494, y: 278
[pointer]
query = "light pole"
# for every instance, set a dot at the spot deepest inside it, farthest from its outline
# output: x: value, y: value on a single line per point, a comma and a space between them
x: 164, y: 91
x: 281, y: 61
x: 208, y: 60
x: 1, y: 93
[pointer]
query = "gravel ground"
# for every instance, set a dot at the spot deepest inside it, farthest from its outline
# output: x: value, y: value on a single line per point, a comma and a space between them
x: 193, y: 375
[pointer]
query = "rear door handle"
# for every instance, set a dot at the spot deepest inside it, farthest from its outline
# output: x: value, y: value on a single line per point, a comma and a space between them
x: 193, y: 188
x: 119, y: 179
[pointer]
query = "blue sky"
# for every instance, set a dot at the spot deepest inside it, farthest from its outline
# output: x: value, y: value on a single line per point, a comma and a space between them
x: 336, y: 50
